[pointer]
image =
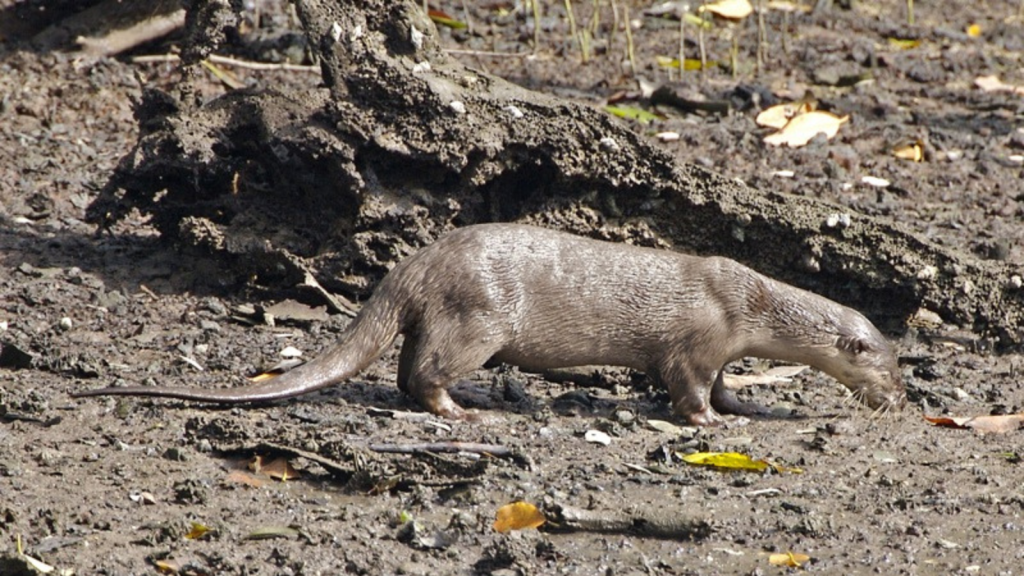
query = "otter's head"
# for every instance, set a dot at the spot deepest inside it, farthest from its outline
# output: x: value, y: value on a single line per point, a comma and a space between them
x: 865, y: 363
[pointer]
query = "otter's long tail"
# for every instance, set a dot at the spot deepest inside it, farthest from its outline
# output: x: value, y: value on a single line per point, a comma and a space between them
x: 362, y: 342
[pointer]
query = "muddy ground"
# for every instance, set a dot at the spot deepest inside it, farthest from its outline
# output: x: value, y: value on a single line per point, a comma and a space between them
x: 107, y: 486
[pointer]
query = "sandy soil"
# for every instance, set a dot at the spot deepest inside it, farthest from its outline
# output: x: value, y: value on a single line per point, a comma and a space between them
x: 105, y: 486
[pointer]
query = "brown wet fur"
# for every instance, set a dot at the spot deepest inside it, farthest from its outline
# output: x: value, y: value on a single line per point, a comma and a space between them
x: 542, y: 299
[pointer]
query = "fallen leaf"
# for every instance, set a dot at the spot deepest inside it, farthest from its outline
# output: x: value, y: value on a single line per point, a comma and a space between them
x: 280, y: 469
x: 518, y: 516
x: 268, y: 532
x: 910, y: 151
x: 689, y: 64
x: 789, y: 559
x: 903, y: 43
x: 779, y: 115
x: 731, y: 9
x: 198, y: 531
x: 37, y: 565
x: 166, y: 566
x: 788, y: 6
x: 631, y: 113
x: 801, y: 129
x: 994, y: 84
x: 733, y: 461
x: 240, y: 477
x: 443, y: 19
x: 981, y: 424
x: 297, y: 311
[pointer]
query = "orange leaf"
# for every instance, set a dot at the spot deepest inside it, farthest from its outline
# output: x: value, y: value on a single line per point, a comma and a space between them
x: 239, y: 477
x: 518, y: 516
x: 280, y: 469
x: 981, y: 424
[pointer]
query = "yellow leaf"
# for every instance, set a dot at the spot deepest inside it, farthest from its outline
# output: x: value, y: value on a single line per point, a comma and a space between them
x: 801, y: 129
x: 632, y: 113
x: 198, y: 531
x: 518, y: 516
x: 974, y: 30
x: 731, y: 9
x: 904, y: 44
x: 789, y: 559
x: 727, y: 460
x: 733, y: 461
x: 689, y: 64
x: 912, y: 151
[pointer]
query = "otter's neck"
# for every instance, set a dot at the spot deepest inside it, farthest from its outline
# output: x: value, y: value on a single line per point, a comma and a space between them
x: 790, y: 324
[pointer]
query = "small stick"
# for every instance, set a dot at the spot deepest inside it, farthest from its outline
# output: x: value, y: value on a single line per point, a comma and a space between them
x: 682, y: 42
x: 536, y: 25
x: 615, y: 25
x: 485, y: 53
x: 227, y: 61
x: 700, y: 44
x: 445, y: 448
x: 910, y: 12
x: 656, y: 522
x: 571, y: 15
x: 630, y: 52
x: 762, y: 37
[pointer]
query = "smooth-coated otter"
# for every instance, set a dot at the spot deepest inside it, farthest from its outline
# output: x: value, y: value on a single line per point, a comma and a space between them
x: 541, y: 299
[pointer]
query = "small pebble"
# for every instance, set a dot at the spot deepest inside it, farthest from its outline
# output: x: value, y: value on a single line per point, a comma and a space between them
x: 65, y: 324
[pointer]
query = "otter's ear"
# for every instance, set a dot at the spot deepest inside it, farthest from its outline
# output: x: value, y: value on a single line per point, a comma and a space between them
x: 852, y: 344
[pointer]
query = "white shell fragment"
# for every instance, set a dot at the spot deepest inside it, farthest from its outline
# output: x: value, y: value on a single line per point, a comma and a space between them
x: 837, y: 220
x: 667, y: 136
x: 458, y: 107
x: 874, y: 181
x: 1015, y: 282
x: 335, y: 31
x: 784, y: 174
x: 609, y: 143
x: 927, y: 273
x: 515, y: 112
x: 416, y: 37
x: 421, y: 67
x: 597, y: 437
x: 291, y: 352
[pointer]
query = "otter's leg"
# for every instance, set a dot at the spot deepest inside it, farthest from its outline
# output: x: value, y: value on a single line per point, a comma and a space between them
x: 405, y: 359
x: 690, y: 387
x: 725, y: 401
x: 438, y: 358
